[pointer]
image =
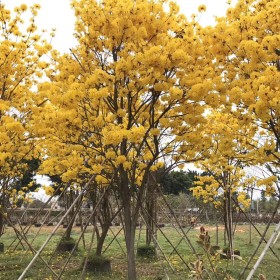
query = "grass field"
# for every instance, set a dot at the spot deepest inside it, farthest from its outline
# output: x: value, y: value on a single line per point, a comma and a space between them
x: 13, y: 261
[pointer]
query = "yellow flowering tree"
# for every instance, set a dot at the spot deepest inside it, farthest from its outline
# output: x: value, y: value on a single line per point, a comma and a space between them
x: 21, y: 50
x: 229, y: 141
x: 245, y: 49
x: 126, y: 98
x: 245, y: 45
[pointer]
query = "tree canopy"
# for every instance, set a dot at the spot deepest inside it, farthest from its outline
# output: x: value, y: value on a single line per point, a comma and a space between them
x: 144, y: 88
x: 21, y: 65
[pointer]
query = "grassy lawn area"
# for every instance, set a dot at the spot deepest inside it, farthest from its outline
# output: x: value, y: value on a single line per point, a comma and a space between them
x: 13, y: 262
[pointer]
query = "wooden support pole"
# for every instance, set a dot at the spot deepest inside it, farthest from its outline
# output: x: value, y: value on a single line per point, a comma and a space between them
x: 22, y: 276
x: 270, y: 241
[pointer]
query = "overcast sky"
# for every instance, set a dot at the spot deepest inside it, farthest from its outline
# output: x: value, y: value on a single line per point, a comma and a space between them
x: 58, y: 14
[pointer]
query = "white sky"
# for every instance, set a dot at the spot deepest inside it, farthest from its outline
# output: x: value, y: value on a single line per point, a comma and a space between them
x: 58, y: 14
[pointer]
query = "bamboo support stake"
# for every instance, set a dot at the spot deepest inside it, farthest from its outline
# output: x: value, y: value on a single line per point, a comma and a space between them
x: 115, y: 239
x: 54, y: 230
x: 168, y: 240
x: 182, y: 236
x: 23, y: 237
x: 89, y: 250
x: 55, y: 251
x: 271, y: 239
x: 176, y: 219
x: 81, y: 235
x: 179, y: 232
x: 26, y: 229
x: 260, y: 242
x: 139, y: 236
x: 158, y: 246
x: 276, y: 238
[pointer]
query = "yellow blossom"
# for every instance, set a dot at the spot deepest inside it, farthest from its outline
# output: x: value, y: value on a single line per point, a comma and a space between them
x: 202, y: 8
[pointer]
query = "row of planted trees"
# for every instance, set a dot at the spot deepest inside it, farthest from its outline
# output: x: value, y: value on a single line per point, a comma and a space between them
x: 143, y: 88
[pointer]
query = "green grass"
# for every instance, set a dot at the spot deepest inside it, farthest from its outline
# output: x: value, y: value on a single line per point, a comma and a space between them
x: 13, y: 262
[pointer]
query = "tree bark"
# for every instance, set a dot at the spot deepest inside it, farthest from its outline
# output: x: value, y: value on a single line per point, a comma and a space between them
x: 1, y: 224
x: 129, y: 228
x: 129, y: 239
x: 101, y: 240
x: 228, y: 222
x: 71, y: 218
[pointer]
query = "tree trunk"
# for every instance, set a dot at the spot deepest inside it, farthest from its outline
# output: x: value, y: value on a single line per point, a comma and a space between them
x: 217, y: 233
x: 69, y: 229
x: 1, y: 224
x: 3, y: 211
x: 71, y: 218
x: 131, y: 268
x: 229, y: 223
x: 101, y: 240
x: 225, y: 226
x: 129, y: 239
x: 250, y: 215
x: 129, y: 227
x: 131, y: 213
x: 151, y: 215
